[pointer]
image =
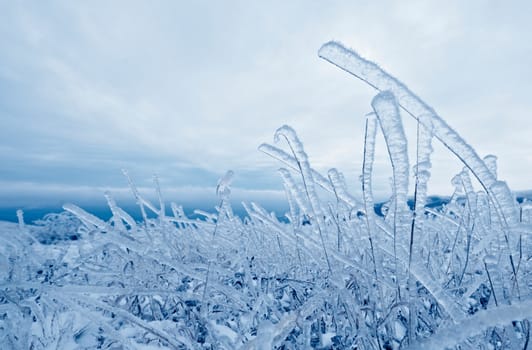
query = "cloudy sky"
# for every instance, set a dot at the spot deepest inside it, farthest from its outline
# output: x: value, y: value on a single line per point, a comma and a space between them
x: 188, y: 90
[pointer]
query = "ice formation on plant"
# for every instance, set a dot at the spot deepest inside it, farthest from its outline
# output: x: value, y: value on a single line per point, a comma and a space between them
x: 335, y: 276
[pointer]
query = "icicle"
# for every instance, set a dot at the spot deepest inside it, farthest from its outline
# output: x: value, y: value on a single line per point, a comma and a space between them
x: 372, y: 74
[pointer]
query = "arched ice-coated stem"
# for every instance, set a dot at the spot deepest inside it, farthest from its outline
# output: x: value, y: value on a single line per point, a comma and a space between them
x: 306, y: 175
x: 372, y: 74
x: 320, y: 180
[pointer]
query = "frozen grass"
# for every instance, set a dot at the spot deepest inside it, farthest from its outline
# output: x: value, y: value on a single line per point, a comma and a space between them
x: 336, y: 276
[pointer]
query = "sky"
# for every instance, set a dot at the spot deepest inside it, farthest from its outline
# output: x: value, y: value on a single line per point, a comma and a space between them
x: 188, y: 90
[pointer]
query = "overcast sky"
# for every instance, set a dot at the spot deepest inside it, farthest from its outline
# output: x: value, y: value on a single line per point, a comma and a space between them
x: 188, y: 90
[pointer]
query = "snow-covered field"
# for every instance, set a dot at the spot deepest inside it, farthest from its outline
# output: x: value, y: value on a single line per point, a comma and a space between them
x: 335, y: 276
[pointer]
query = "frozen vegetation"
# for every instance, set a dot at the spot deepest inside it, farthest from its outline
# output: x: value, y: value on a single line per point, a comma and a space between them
x: 334, y: 275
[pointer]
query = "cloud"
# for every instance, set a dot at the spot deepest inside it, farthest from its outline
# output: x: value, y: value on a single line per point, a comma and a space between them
x: 190, y: 90
x: 35, y: 195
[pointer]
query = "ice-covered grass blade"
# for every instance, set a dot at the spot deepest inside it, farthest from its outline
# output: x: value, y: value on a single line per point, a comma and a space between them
x: 369, y: 72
